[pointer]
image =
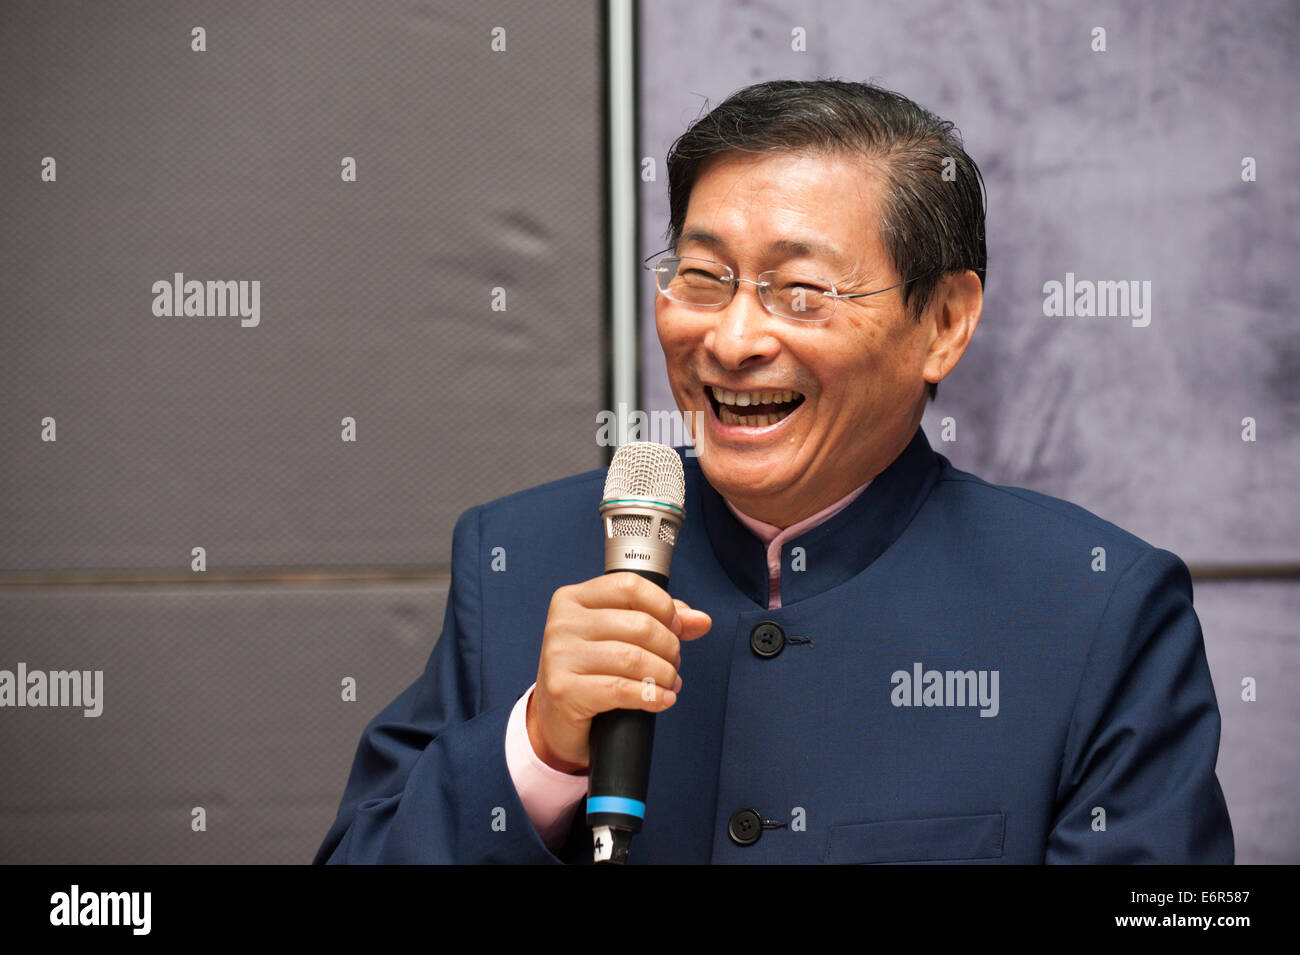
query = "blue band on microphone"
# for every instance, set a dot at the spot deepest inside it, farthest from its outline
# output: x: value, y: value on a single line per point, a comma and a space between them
x: 628, y: 807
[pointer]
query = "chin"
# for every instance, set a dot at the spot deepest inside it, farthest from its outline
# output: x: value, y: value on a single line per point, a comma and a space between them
x: 732, y: 475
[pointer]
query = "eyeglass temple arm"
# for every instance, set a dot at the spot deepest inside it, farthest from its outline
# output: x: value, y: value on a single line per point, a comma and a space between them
x: 879, y: 290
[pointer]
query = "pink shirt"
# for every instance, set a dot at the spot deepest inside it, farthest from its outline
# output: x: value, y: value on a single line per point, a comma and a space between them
x: 775, y: 538
x: 549, y: 795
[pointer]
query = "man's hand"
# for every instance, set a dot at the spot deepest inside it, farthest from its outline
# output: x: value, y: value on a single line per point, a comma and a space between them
x: 603, y: 638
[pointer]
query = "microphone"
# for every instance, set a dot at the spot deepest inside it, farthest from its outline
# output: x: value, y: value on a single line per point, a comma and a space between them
x: 642, y: 508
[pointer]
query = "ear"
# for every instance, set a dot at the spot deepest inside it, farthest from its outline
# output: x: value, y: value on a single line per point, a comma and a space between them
x: 953, y: 313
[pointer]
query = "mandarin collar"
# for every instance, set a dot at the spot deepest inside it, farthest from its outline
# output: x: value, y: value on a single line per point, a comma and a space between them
x: 836, y: 549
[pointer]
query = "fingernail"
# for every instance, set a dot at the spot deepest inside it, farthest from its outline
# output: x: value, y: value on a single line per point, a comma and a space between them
x: 669, y: 697
x: 676, y: 627
x: 678, y: 685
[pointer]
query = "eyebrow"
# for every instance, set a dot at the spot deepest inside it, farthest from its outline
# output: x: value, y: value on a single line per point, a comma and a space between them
x: 791, y: 248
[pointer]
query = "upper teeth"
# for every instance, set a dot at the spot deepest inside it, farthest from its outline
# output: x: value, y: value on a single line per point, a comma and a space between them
x: 746, y: 398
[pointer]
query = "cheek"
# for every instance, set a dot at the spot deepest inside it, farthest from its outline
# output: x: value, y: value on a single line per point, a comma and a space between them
x: 853, y: 365
x: 679, y: 339
x: 863, y: 371
x: 677, y: 357
x: 670, y: 340
x: 671, y: 329
x: 888, y: 351
x: 678, y: 350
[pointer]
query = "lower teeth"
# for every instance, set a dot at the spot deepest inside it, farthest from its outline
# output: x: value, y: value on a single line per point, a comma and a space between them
x: 727, y: 416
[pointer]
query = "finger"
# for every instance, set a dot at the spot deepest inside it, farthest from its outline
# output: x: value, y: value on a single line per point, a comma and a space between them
x: 598, y: 694
x: 627, y: 591
x: 695, y: 624
x: 613, y: 658
x: 631, y: 626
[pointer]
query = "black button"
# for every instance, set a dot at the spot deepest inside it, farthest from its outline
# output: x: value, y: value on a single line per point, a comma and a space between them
x: 767, y: 639
x: 745, y: 827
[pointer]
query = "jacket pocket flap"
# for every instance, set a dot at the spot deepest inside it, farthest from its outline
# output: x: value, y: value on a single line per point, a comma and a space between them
x: 939, y: 839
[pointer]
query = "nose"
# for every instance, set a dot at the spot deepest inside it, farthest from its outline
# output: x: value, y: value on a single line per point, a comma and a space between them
x: 742, y: 336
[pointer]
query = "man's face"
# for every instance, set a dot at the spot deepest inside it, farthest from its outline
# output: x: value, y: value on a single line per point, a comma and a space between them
x: 859, y: 374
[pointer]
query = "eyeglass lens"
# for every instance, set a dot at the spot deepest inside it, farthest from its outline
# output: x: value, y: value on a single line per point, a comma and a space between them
x: 706, y: 284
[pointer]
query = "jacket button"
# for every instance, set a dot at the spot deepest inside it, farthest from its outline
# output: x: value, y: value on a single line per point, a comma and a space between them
x: 745, y: 827
x: 767, y: 640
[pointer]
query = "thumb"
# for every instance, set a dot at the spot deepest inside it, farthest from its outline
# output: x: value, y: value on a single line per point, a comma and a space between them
x: 695, y: 623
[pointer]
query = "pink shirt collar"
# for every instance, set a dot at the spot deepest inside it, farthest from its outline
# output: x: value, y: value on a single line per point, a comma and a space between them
x: 775, y: 537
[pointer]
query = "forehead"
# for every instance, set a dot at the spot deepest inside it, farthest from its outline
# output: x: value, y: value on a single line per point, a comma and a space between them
x: 815, y: 206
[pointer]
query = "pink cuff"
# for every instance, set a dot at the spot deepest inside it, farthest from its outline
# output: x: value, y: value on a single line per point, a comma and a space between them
x: 548, y: 795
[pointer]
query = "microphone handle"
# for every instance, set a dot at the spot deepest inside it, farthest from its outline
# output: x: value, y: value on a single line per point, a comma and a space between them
x: 620, y: 744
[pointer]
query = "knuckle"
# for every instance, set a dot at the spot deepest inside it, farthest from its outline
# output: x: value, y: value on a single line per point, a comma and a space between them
x: 554, y: 680
x: 547, y: 684
x: 629, y: 658
x: 549, y: 655
x: 614, y: 690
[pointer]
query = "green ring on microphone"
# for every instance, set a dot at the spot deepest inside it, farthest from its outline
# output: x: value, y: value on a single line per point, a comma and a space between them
x: 639, y: 500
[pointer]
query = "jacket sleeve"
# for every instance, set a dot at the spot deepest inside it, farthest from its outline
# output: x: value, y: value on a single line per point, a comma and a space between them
x: 429, y: 783
x: 1144, y: 733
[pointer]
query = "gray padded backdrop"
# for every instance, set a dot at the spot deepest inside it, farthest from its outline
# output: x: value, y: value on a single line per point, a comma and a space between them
x: 476, y: 170
x: 1117, y: 165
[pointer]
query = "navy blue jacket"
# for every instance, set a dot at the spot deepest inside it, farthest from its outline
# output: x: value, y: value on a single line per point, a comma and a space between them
x: 864, y: 738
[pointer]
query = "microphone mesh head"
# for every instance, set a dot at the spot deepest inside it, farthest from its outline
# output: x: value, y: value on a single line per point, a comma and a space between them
x: 647, y: 471
x: 643, y: 469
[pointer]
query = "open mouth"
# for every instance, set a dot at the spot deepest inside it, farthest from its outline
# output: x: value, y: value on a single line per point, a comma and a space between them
x: 752, y: 409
